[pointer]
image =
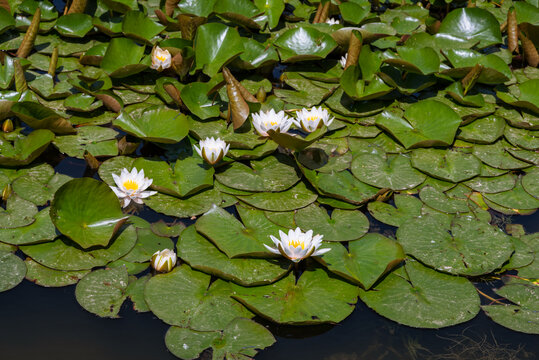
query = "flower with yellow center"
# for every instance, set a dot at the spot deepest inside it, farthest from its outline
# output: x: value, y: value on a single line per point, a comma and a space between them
x: 297, y: 245
x: 131, y: 186
x: 270, y: 120
x: 310, y: 120
x: 212, y: 150
x: 164, y: 260
x: 161, y: 59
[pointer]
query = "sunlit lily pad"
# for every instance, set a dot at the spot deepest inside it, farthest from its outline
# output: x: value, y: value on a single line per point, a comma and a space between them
x: 18, y: 212
x: 102, y: 292
x: 202, y: 255
x: 135, y: 292
x: 63, y: 254
x: 530, y: 182
x: 390, y: 171
x: 496, y: 155
x: 344, y: 225
x: 522, y: 316
x: 42, y: 229
x: 12, y: 271
x: 315, y: 298
x: 240, y: 339
x: 294, y: 198
x: 24, y: 149
x: 147, y: 244
x: 98, y: 141
x: 365, y: 260
x: 406, y: 208
x: 516, y: 198
x: 493, y: 184
x: 425, y: 298
x: 304, y: 43
x: 483, y: 131
x: 467, y: 247
x: 426, y: 123
x: 40, y: 117
x: 87, y: 211
x: 472, y: 24
x: 140, y: 27
x: 191, y: 206
x: 74, y: 25
x: 524, y: 95
x: 526, y: 139
x: 38, y: 191
x: 449, y: 165
x: 123, y: 58
x: 440, y: 201
x: 46, y: 277
x: 184, y: 297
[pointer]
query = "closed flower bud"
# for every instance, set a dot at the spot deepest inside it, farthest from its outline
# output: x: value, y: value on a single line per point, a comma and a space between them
x: 7, y: 126
x: 261, y: 94
x: 161, y: 59
x: 6, y: 192
x: 164, y: 260
x: 212, y: 150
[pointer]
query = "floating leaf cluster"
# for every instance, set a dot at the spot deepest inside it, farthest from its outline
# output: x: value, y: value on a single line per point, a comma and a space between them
x: 427, y: 120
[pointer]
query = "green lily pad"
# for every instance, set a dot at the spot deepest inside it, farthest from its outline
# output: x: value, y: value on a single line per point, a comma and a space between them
x: 161, y: 228
x: 425, y: 123
x: 139, y: 26
x: 186, y: 177
x: 366, y: 259
x: 530, y: 182
x: 156, y: 124
x: 421, y: 297
x: 493, y: 184
x: 114, y: 166
x: 467, y: 247
x: 202, y: 255
x: 87, y: 211
x: 273, y: 173
x: 184, y: 297
x: 273, y: 10
x: 483, y: 131
x: 74, y: 25
x: 448, y: 165
x: 391, y: 171
x: 523, y: 95
x: 497, y: 155
x: 42, y: 229
x: 132, y: 268
x: 423, y: 61
x: 6, y: 20
x: 102, y: 292
x: 215, y: 45
x: 195, y: 97
x: 24, y: 149
x: 344, y: 225
x: 18, y: 213
x: 341, y: 185
x: 406, y: 208
x: 46, y: 277
x: 526, y: 139
x: 122, y: 58
x: 63, y: 254
x: 135, y: 292
x: 12, y: 271
x: 98, y: 141
x: 522, y: 316
x: 294, y: 198
x: 472, y: 24
x: 147, y: 244
x: 82, y: 102
x: 304, y: 43
x: 516, y: 198
x: 38, y: 116
x: 36, y: 191
x: 315, y: 298
x: 440, y: 201
x: 240, y: 339
x: 193, y: 205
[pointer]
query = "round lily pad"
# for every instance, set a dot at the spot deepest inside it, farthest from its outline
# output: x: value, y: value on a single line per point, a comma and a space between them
x: 273, y: 173
x: 193, y: 205
x: 44, y: 276
x: 406, y: 208
x: 483, y: 131
x: 497, y: 156
x: 42, y: 229
x: 135, y: 292
x: 202, y: 255
x: 526, y: 139
x: 98, y: 141
x: 63, y: 254
x: 449, y: 165
x: 147, y: 244
x: 523, y: 316
x: 102, y: 292
x: 184, y: 297
x: 343, y: 225
x: 12, y: 271
x: 442, y: 202
x: 530, y: 182
x: 366, y: 259
x: 315, y: 298
x: 74, y: 25
x: 304, y: 43
x: 467, y: 247
x: 18, y: 212
x: 36, y: 191
x: 295, y: 198
x: 493, y: 184
x: 87, y: 211
x: 516, y: 198
x: 472, y: 24
x: 417, y: 296
x: 389, y: 172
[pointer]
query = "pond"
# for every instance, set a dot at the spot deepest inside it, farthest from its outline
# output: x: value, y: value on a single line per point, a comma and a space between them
x: 321, y: 179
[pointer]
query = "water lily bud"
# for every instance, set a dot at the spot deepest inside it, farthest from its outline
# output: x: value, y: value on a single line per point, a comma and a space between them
x: 164, y: 260
x: 7, y: 126
x: 315, y: 118
x: 6, y: 192
x: 212, y: 150
x: 161, y: 59
x: 261, y: 94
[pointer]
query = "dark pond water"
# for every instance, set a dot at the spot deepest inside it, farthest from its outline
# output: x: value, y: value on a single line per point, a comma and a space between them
x: 44, y: 323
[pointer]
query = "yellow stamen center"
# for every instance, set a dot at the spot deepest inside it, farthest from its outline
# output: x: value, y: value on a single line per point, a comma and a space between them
x: 272, y: 123
x: 313, y: 118
x: 161, y: 57
x: 130, y: 185
x: 296, y: 243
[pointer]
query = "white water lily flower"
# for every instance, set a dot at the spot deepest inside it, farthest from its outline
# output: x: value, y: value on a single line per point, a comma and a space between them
x: 131, y: 186
x: 331, y: 21
x: 161, y: 59
x: 164, y: 260
x: 297, y: 245
x: 343, y: 60
x: 310, y: 120
x: 264, y: 121
x: 212, y: 150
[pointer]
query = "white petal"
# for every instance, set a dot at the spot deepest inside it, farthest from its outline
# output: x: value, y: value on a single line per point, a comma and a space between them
x: 320, y: 252
x: 273, y: 250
